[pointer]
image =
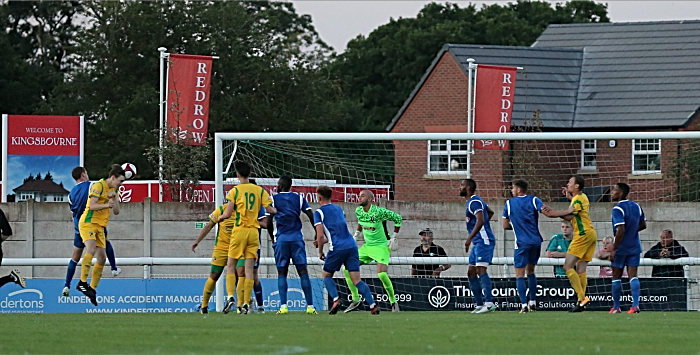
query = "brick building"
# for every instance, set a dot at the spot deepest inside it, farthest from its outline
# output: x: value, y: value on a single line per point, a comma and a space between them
x: 614, y: 77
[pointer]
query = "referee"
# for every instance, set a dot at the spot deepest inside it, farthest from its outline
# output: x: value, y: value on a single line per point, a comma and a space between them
x: 6, y: 232
x: 428, y: 249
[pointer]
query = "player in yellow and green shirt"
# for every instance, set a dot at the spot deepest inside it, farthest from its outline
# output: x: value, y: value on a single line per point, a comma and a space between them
x: 582, y: 247
x: 101, y: 199
x: 244, y: 200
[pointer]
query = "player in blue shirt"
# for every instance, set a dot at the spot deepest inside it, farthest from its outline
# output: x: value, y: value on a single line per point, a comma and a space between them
x: 77, y: 200
x: 521, y: 214
x: 480, y: 234
x: 289, y: 241
x: 627, y: 219
x: 331, y: 228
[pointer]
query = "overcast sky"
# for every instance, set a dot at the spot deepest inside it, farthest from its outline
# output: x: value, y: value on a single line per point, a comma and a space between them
x: 338, y: 21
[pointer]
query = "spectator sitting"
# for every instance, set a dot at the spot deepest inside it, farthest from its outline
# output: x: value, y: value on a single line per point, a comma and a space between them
x: 667, y: 248
x: 558, y: 246
x: 428, y: 249
x: 604, y: 254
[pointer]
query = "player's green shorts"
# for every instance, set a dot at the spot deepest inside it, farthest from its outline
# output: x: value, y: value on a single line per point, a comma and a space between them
x: 378, y: 253
x: 241, y: 263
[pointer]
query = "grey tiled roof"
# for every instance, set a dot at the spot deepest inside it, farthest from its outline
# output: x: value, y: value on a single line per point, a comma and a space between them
x: 548, y: 81
x: 644, y: 74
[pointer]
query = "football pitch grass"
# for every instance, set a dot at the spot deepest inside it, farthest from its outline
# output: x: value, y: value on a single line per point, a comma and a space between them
x: 357, y: 332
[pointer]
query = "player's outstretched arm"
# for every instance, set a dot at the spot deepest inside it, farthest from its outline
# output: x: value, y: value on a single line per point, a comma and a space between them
x: 203, y: 234
x: 551, y: 213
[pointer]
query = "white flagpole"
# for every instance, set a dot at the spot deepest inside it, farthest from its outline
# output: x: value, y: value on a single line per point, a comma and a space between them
x: 163, y: 56
x: 470, y: 115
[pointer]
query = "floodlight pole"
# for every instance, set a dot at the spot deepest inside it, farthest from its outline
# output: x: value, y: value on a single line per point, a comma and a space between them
x: 163, y: 57
x: 470, y: 115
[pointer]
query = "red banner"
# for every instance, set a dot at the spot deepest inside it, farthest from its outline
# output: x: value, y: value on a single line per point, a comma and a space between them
x: 43, y: 135
x: 189, y: 80
x: 493, y: 105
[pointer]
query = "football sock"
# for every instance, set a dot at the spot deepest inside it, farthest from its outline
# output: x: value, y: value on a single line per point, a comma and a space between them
x: 575, y: 283
x: 388, y: 286
x: 231, y: 284
x: 366, y: 293
x: 486, y: 287
x: 616, y: 292
x: 248, y: 289
x: 96, y: 275
x: 584, y: 282
x: 282, y: 287
x: 209, y: 287
x: 110, y: 256
x: 532, y: 285
x: 241, y: 291
x: 85, y: 269
x: 257, y: 289
x: 351, y: 286
x: 306, y: 287
x: 635, y: 288
x: 5, y: 280
x: 72, y: 265
x: 331, y: 287
x: 522, y: 290
x: 475, y: 286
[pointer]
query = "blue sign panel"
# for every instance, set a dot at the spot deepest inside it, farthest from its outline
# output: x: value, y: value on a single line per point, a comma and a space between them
x: 136, y: 296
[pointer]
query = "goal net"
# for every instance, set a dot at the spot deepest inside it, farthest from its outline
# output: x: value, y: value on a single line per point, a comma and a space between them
x: 418, y: 176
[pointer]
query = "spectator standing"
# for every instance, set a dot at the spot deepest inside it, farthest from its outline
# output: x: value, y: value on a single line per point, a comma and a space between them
x: 428, y: 249
x: 667, y: 248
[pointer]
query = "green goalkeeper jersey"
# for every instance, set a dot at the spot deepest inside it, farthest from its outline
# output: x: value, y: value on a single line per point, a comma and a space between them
x: 373, y: 223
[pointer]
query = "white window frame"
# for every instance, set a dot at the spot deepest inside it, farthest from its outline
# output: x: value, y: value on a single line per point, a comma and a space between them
x: 449, y: 153
x: 646, y: 152
x: 585, y: 150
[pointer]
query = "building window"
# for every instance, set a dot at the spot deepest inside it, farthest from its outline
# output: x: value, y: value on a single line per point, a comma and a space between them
x: 646, y: 156
x: 57, y: 198
x: 23, y: 196
x: 588, y: 154
x: 447, y: 156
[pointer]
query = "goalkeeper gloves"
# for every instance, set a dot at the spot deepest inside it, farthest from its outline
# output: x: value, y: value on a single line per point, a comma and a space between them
x: 393, y: 243
x: 354, y: 236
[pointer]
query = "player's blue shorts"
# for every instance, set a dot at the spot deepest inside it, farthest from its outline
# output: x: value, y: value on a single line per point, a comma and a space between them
x: 257, y: 261
x: 337, y: 258
x: 295, y: 250
x: 77, y: 241
x: 481, y: 254
x: 526, y: 255
x: 622, y: 260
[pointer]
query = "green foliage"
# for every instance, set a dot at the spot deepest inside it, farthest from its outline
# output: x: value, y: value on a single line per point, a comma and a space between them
x: 685, y: 169
x: 379, y: 71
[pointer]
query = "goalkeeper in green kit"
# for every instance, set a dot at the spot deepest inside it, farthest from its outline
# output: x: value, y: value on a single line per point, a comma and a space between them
x: 378, y: 245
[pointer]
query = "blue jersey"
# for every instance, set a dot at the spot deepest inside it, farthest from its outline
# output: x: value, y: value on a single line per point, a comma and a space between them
x: 474, y: 206
x: 523, y: 213
x: 630, y: 214
x: 289, y: 206
x: 335, y: 228
x: 77, y: 199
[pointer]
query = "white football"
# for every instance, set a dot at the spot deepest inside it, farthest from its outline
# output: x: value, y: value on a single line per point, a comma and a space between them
x: 129, y: 170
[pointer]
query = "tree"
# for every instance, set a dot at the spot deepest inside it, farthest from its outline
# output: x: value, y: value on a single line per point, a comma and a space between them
x: 268, y: 77
x: 379, y: 71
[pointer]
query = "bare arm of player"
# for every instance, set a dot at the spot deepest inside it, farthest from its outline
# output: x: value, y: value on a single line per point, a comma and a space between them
x: 506, y: 224
x: 227, y: 212
x: 489, y: 211
x: 619, y: 235
x: 270, y: 209
x: 477, y: 228
x: 203, y: 234
x: 115, y: 207
x: 310, y: 214
x: 271, y: 229
x: 320, y: 241
x: 642, y: 225
x: 263, y: 222
x: 94, y: 206
x: 551, y: 213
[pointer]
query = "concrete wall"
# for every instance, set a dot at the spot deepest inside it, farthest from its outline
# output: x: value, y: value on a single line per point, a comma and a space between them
x: 168, y: 230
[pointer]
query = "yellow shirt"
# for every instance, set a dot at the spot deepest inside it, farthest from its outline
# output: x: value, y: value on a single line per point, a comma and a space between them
x: 223, y: 234
x: 101, y: 217
x: 247, y: 199
x: 581, y: 222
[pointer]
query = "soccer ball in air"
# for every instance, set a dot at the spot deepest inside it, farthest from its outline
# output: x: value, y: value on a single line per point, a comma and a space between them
x: 129, y: 170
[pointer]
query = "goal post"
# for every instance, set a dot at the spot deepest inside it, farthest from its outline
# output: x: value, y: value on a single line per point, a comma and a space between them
x: 421, y: 173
